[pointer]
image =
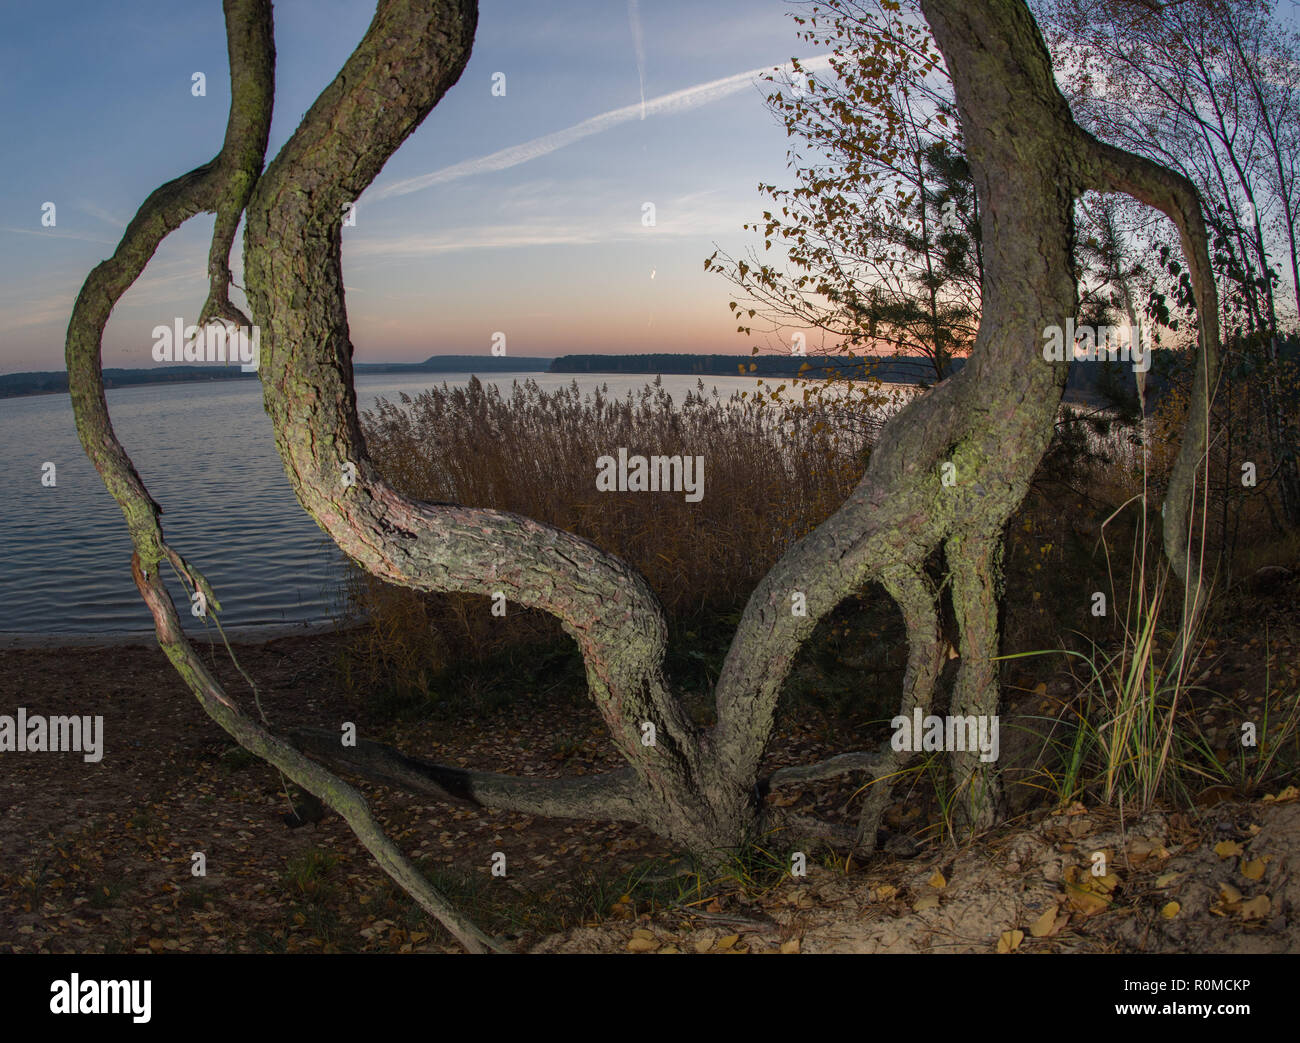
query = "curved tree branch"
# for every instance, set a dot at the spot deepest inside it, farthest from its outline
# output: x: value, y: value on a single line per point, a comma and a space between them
x: 1115, y: 170
x: 915, y: 595
x: 294, y: 283
x: 869, y: 761
x: 994, y: 419
x: 608, y: 797
x: 985, y: 428
x: 224, y: 186
x: 976, y: 571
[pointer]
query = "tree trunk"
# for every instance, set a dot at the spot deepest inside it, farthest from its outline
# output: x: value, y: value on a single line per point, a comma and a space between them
x: 948, y: 470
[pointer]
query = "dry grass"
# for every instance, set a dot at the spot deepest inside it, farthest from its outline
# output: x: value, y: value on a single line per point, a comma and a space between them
x: 534, y: 452
x: 770, y: 476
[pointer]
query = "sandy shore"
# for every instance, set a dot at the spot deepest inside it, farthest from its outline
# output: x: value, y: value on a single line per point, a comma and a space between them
x: 252, y: 635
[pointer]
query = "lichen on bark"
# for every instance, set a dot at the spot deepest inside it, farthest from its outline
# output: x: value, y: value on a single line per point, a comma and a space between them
x: 700, y: 787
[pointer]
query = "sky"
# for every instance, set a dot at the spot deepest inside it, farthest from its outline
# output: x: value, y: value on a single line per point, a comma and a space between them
x: 518, y: 214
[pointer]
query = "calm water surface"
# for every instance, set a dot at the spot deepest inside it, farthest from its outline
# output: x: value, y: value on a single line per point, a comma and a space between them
x: 207, y: 454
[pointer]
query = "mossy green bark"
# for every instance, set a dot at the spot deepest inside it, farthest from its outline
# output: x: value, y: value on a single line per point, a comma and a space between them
x: 992, y: 422
x: 224, y: 187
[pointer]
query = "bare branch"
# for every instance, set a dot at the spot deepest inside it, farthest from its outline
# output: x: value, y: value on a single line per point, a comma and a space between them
x: 1114, y: 170
x: 222, y: 185
x: 608, y: 797
x: 843, y: 764
x: 294, y: 278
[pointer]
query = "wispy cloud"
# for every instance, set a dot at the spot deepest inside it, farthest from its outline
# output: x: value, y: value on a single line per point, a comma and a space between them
x: 666, y: 104
x: 47, y: 233
x: 45, y: 311
x: 99, y: 212
x: 638, y: 44
x: 479, y: 237
x: 695, y: 215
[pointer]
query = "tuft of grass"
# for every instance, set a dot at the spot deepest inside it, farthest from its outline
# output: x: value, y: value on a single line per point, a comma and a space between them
x: 306, y: 875
x: 498, y: 906
x: 1125, y: 736
x: 603, y: 894
x: 1123, y: 741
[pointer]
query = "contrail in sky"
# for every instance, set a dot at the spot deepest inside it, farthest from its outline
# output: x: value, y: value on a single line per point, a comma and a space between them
x: 638, y: 42
x: 666, y: 104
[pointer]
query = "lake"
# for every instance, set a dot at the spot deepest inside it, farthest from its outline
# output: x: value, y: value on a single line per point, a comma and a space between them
x: 65, y: 557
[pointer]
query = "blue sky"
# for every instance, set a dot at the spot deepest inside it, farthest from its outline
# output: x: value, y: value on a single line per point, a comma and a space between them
x: 97, y: 111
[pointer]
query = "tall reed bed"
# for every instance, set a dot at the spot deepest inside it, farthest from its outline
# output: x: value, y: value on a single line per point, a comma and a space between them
x: 770, y: 475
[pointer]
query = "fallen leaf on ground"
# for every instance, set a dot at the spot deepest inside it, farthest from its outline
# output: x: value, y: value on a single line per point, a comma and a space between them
x: 1042, y: 927
x: 1106, y: 883
x: 642, y: 941
x: 1253, y: 869
x: 1086, y: 903
x: 1084, y: 895
x: 1255, y: 909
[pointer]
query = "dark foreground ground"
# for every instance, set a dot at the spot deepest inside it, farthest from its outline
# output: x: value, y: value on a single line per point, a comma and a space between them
x: 97, y: 857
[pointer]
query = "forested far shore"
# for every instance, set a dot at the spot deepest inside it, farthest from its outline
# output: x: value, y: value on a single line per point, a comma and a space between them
x: 48, y: 382
x: 1091, y: 382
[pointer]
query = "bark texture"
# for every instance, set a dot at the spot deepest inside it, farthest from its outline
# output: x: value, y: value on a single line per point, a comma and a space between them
x: 222, y: 186
x: 947, y: 473
x: 1114, y: 170
x: 988, y: 426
